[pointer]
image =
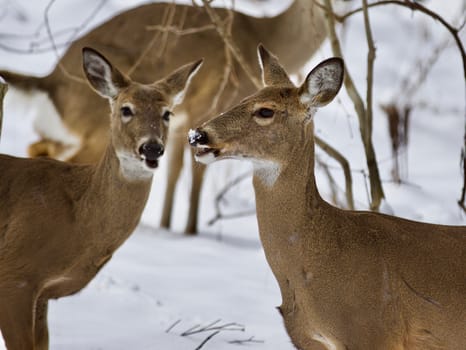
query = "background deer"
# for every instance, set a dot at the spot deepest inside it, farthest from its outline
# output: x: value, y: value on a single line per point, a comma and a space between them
x: 349, y: 280
x: 295, y: 35
x: 60, y: 223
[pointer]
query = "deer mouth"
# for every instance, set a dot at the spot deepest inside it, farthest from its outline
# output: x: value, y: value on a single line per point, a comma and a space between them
x: 205, y: 154
x: 151, y: 163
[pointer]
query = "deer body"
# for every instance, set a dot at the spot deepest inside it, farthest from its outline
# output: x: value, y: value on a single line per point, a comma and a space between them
x: 124, y: 37
x: 59, y: 222
x: 340, y: 272
x: 349, y: 280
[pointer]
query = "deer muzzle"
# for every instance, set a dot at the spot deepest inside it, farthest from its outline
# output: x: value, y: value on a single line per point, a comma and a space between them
x: 151, y: 152
x: 199, y: 139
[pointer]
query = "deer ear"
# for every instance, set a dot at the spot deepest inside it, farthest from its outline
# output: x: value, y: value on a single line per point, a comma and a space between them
x: 323, y: 83
x: 103, y: 77
x: 272, y: 71
x: 178, y: 81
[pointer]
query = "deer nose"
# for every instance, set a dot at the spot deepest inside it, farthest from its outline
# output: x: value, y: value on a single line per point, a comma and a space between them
x: 197, y: 137
x: 151, y: 150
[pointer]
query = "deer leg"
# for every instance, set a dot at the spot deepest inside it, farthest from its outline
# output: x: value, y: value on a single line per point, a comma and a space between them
x: 16, y: 320
x: 197, y: 174
x: 41, y: 332
x: 175, y: 164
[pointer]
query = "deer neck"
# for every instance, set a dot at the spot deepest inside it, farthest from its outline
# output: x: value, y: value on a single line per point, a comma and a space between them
x: 293, y: 35
x: 120, y: 200
x: 288, y: 204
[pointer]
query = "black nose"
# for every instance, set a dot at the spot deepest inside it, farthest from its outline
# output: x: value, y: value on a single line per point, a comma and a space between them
x: 197, y: 137
x: 151, y: 150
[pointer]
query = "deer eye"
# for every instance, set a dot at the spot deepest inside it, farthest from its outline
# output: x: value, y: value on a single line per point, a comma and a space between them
x: 126, y: 112
x: 265, y: 113
x: 166, y: 116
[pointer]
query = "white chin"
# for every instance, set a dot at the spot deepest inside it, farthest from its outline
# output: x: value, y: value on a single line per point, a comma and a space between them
x: 206, y: 158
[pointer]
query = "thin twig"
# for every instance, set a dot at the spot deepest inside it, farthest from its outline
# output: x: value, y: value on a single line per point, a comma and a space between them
x: 231, y: 216
x: 331, y: 180
x: 52, y: 41
x: 232, y: 326
x: 3, y: 90
x: 220, y: 197
x: 332, y: 152
x: 244, y: 341
x: 417, y: 7
x: 207, y: 339
x: 167, y: 15
x: 463, y: 166
x: 228, y: 39
x: 181, y: 32
x: 370, y: 71
x: 228, y: 69
x: 376, y: 188
x: 225, y: 33
x: 172, y: 326
x: 164, y: 42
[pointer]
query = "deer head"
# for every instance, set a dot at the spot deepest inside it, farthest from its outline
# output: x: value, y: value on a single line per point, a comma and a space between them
x: 140, y: 113
x: 268, y: 125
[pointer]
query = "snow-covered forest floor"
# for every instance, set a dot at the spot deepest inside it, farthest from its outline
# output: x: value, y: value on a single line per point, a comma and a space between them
x: 160, y: 279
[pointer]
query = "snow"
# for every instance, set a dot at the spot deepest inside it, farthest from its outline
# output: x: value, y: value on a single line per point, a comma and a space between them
x: 158, y: 278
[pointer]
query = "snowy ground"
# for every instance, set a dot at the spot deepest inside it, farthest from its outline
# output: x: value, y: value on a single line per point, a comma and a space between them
x: 159, y: 278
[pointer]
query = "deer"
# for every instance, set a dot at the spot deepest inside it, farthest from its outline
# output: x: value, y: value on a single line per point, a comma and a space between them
x: 349, y: 280
x: 60, y: 223
x: 77, y: 133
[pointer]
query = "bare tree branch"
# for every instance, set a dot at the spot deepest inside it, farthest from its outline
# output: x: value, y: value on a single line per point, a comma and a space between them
x: 416, y: 6
x: 167, y: 21
x: 207, y: 339
x: 245, y: 341
x: 370, y: 72
x: 181, y: 32
x: 331, y: 180
x: 172, y: 326
x: 213, y: 326
x: 376, y: 189
x: 332, y: 152
x: 52, y: 41
x: 228, y: 39
x: 221, y: 196
x: 463, y: 166
x: 3, y: 90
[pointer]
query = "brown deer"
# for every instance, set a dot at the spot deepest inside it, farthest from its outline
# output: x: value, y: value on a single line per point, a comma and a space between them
x: 59, y: 222
x: 80, y: 134
x: 350, y: 280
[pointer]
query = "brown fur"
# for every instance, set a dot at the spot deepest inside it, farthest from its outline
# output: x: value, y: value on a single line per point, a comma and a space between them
x: 295, y: 35
x: 349, y: 280
x: 60, y: 223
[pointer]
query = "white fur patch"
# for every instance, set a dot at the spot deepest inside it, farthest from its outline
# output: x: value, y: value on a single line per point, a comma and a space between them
x: 2, y: 342
x: 321, y: 339
x: 206, y: 159
x: 266, y: 171
x: 133, y: 168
